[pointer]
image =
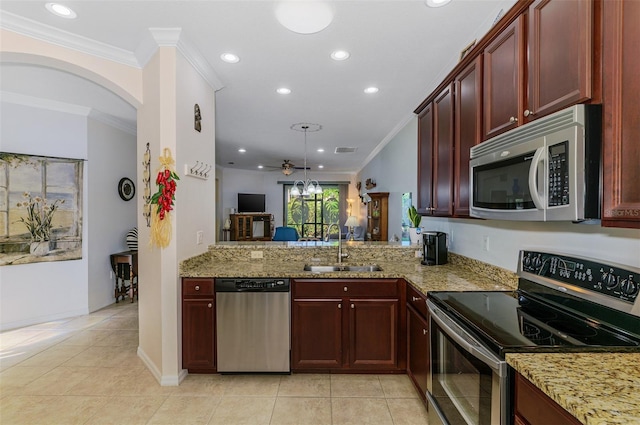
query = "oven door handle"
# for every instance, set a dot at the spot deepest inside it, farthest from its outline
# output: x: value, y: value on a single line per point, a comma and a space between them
x: 463, y: 338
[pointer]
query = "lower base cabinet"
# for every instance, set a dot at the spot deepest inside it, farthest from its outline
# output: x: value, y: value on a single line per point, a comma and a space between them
x: 533, y: 407
x: 418, y: 359
x: 341, y: 325
x: 198, y: 325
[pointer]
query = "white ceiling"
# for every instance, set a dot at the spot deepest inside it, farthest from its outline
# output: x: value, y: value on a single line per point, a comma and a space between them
x: 403, y: 47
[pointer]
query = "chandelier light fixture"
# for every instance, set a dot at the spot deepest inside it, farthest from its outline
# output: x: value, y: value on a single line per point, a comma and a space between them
x: 306, y: 187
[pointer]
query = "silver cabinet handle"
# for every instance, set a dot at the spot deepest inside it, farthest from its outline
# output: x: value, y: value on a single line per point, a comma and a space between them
x: 209, y: 305
x: 415, y: 299
x: 346, y: 289
x: 197, y: 288
x: 513, y: 119
x: 528, y: 112
x: 353, y: 306
x: 424, y: 332
x: 340, y: 305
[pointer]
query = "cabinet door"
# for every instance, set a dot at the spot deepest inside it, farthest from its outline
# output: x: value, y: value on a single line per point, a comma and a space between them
x: 425, y: 160
x: 198, y: 335
x: 316, y: 334
x: 621, y: 150
x: 503, y: 87
x: 560, y: 55
x: 468, y: 119
x: 418, y: 350
x: 373, y: 333
x: 534, y: 407
x: 443, y: 153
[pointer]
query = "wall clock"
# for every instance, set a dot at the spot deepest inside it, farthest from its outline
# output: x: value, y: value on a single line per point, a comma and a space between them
x: 126, y: 189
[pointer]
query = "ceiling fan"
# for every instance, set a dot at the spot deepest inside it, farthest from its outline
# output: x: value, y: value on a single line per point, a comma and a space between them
x: 287, y: 168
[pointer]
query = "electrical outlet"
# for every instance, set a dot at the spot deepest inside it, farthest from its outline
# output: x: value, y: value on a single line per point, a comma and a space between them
x: 485, y: 243
x: 418, y: 254
x: 111, y: 274
x: 256, y: 254
x: 450, y: 236
x: 199, y: 237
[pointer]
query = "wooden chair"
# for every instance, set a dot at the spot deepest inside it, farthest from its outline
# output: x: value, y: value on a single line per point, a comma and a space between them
x: 126, y: 270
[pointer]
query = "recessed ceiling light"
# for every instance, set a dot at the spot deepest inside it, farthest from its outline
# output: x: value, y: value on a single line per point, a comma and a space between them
x: 283, y: 90
x: 371, y: 90
x: 261, y: 166
x: 230, y: 58
x: 320, y: 150
x: 304, y: 17
x: 242, y: 150
x: 436, y: 3
x: 60, y: 10
x: 340, y: 55
x: 320, y: 166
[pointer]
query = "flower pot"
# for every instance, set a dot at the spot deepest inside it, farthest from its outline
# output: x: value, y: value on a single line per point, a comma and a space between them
x: 39, y: 249
x: 414, y: 235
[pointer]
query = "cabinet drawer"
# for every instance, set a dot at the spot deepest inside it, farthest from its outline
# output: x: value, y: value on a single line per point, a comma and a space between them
x: 197, y: 286
x: 417, y: 300
x: 313, y: 288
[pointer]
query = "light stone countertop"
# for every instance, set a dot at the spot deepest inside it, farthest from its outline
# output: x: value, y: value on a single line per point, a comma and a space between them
x: 397, y: 260
x: 596, y: 388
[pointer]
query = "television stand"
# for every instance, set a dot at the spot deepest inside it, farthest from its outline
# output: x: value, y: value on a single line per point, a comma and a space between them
x: 251, y: 227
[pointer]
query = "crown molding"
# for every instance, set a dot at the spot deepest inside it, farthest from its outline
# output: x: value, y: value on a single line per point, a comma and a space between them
x: 173, y: 37
x: 38, y: 102
x: 115, y: 122
x: 67, y: 108
x: 39, y: 31
x: 388, y: 138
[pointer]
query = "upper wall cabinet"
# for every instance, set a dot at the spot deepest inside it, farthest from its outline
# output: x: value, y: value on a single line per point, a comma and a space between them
x: 435, y: 153
x: 621, y: 152
x: 529, y: 74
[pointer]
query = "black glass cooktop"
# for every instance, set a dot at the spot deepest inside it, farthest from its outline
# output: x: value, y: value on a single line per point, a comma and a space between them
x: 515, y: 321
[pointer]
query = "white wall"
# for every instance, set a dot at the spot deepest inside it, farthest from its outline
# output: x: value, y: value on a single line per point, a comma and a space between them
x: 111, y: 156
x: 233, y: 181
x: 39, y: 292
x: 505, y: 238
x: 394, y: 170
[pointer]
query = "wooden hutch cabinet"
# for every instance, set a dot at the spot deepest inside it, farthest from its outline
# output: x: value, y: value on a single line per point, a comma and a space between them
x: 251, y: 227
x: 378, y: 216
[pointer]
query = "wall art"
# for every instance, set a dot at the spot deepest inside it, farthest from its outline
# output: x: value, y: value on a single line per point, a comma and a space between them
x: 40, y: 208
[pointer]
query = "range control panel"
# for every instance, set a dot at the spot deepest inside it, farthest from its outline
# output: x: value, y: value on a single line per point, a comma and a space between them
x: 614, y: 281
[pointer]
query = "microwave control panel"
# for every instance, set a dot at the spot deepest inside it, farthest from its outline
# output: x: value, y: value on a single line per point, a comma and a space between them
x: 559, y: 174
x: 614, y: 281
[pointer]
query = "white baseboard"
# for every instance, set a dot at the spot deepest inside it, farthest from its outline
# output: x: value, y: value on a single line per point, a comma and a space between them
x: 163, y: 380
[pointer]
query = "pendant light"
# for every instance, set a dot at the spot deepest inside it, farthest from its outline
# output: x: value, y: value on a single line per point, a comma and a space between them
x: 307, y: 187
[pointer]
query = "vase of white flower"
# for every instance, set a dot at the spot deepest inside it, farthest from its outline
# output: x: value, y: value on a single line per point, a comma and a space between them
x: 39, y: 221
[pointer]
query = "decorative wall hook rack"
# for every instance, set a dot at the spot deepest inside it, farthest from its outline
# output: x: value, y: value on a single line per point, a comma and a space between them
x: 199, y: 170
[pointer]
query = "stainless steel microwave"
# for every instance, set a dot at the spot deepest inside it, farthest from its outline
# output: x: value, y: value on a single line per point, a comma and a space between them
x: 547, y: 170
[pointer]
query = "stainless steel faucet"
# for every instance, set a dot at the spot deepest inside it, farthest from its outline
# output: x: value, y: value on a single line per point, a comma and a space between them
x: 340, y: 254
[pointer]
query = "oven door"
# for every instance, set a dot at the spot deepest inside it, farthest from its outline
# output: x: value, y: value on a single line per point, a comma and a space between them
x: 468, y: 384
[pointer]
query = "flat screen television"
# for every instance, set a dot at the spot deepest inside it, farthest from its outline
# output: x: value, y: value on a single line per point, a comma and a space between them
x: 251, y: 203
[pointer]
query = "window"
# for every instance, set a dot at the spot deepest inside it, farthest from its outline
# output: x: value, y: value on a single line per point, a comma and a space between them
x: 313, y: 216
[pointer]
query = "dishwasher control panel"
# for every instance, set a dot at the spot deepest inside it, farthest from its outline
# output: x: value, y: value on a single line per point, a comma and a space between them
x: 252, y: 285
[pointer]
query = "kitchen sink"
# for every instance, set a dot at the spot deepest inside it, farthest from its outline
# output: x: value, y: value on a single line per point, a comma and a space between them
x: 341, y: 268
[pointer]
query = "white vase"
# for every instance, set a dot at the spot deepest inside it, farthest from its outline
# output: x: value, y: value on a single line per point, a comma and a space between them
x: 39, y: 249
x: 414, y: 235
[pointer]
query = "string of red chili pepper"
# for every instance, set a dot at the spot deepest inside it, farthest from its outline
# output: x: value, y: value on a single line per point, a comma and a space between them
x: 165, y: 195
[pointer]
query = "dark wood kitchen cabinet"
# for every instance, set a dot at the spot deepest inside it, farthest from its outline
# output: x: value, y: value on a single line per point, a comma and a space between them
x: 417, y: 341
x: 621, y: 149
x: 553, y: 65
x: 467, y: 131
x: 198, y: 325
x: 435, y: 146
x: 346, y: 324
x: 533, y: 407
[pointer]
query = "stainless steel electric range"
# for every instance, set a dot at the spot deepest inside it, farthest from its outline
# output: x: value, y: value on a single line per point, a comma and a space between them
x: 563, y: 303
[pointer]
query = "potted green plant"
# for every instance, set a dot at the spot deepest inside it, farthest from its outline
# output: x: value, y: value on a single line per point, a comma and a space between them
x: 415, y: 218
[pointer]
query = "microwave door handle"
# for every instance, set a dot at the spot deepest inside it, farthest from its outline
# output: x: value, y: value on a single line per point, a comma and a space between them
x: 538, y: 158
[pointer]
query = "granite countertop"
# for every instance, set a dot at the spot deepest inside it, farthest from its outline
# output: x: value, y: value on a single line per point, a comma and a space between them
x: 287, y: 260
x: 596, y: 388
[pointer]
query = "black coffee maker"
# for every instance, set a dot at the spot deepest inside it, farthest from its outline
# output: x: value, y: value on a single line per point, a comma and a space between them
x: 434, y: 248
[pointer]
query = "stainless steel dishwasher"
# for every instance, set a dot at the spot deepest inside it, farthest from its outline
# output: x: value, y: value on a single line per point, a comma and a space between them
x: 253, y: 325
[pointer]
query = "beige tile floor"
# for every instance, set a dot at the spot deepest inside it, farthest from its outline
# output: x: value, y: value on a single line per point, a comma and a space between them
x: 85, y: 370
